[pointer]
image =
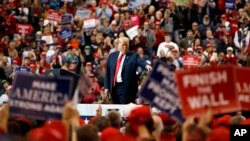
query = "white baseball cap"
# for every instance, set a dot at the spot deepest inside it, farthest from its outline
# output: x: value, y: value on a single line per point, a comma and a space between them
x: 4, y: 98
x: 230, y: 48
x: 190, y: 49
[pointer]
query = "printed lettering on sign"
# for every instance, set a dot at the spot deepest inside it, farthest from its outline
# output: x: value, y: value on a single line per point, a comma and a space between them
x: 204, y: 88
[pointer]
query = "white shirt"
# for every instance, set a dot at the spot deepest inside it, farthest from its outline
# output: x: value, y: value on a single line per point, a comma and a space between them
x: 163, y: 47
x: 119, y: 74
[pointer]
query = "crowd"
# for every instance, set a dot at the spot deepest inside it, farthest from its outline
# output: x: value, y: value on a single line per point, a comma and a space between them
x: 140, y: 123
x: 207, y: 32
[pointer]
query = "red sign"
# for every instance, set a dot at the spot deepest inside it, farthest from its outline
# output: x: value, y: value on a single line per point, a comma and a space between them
x: 24, y: 28
x: 135, y: 20
x: 210, y: 87
x: 54, y: 16
x: 243, y: 87
x: 190, y: 61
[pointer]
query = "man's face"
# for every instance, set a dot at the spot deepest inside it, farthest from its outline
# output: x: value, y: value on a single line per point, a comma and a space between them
x: 209, y: 34
x: 167, y: 38
x: 140, y: 51
x: 195, y: 26
x: 229, y: 52
x: 123, y: 46
x: 12, y: 45
x: 190, y: 35
x: 26, y: 61
x: 146, y: 25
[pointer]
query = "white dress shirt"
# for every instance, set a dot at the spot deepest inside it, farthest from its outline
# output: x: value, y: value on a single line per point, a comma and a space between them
x: 119, y: 74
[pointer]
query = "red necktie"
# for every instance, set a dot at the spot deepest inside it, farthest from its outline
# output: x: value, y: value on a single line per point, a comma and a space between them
x: 118, y: 65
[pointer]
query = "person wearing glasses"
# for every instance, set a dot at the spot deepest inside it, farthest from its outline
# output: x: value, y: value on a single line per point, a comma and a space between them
x: 120, y: 78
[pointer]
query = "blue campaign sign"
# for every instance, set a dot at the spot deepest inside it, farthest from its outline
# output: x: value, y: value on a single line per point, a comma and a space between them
x: 38, y: 97
x: 67, y: 19
x: 66, y: 33
x: 159, y: 90
x: 22, y: 69
x: 230, y: 4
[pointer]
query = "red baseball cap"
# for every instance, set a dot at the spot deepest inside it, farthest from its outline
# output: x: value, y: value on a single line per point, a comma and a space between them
x: 223, y: 16
x: 88, y: 64
x: 111, y: 134
x: 138, y: 117
x: 219, y: 134
x: 224, y: 120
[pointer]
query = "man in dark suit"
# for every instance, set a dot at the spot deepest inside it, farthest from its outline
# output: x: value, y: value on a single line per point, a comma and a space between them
x: 120, y: 78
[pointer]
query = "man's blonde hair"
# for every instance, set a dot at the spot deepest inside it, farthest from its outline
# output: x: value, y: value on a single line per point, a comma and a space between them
x: 124, y: 40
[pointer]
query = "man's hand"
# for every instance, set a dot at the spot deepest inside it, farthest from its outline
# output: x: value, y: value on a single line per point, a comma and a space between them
x: 148, y: 68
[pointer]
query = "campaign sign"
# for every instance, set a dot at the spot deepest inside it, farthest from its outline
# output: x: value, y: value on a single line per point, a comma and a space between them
x: 66, y: 33
x: 243, y: 87
x: 89, y: 23
x: 67, y: 19
x: 210, y: 87
x: 137, y: 3
x: 54, y: 16
x: 38, y: 97
x: 190, y: 61
x: 159, y: 90
x: 48, y: 39
x: 230, y: 4
x: 132, y: 32
x: 83, y: 13
x: 24, y: 28
x: 22, y: 69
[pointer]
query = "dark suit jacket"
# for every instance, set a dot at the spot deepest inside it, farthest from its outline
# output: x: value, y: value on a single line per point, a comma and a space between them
x: 129, y: 78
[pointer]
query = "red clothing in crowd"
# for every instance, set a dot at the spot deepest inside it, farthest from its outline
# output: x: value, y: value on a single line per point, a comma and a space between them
x: 160, y: 37
x: 221, y: 5
x: 10, y: 25
x: 231, y: 59
x: 168, y: 137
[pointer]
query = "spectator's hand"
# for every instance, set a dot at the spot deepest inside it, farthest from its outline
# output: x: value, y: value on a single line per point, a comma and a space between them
x: 69, y: 112
x: 148, y: 68
x: 205, y: 120
x: 186, y: 126
x: 99, y: 111
x: 4, y: 114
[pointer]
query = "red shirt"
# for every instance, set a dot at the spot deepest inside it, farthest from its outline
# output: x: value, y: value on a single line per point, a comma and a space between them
x: 160, y: 36
x: 231, y: 59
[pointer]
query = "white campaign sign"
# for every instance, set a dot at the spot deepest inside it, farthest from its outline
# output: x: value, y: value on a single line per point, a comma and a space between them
x: 48, y: 39
x: 89, y: 23
x: 132, y: 32
x: 83, y: 14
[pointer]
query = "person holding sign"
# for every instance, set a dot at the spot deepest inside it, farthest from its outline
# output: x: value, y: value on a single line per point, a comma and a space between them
x: 120, y: 78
